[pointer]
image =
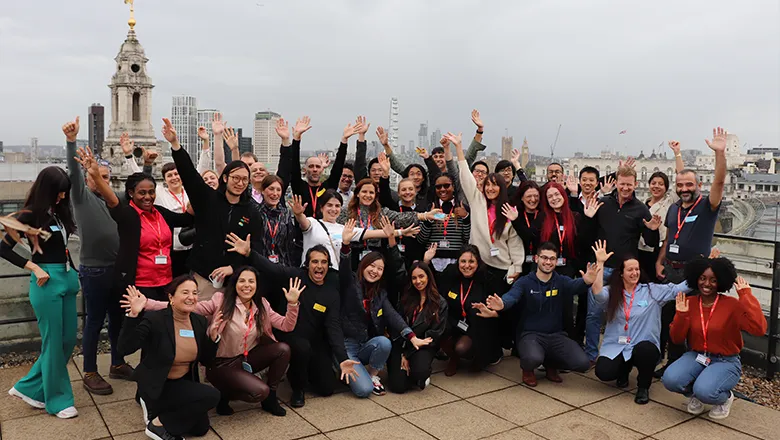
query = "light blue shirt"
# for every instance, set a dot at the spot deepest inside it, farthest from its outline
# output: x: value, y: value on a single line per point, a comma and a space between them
x: 645, y: 317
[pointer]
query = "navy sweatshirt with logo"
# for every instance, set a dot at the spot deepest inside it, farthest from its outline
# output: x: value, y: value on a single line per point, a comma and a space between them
x: 543, y: 310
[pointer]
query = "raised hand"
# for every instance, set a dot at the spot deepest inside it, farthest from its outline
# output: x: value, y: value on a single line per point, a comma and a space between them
x: 348, y: 370
x: 509, y: 211
x: 431, y: 252
x: 714, y: 253
x: 592, y: 206
x: 71, y: 130
x: 419, y: 343
x: 302, y: 125
x: 348, y: 232
x: 217, y: 125
x: 203, y: 135
x: 495, y: 302
x: 384, y: 162
x: 590, y: 275
x: 654, y: 222
x: 361, y: 125
x: 630, y: 162
x: 571, y: 184
x: 477, y: 120
x: 681, y: 303
x: 283, y: 130
x: 382, y: 135
x: 600, y: 249
x: 387, y: 226
x: 484, y: 311
x: 456, y: 139
x: 410, y: 231
x: 608, y: 186
x: 516, y: 158
x: 239, y: 246
x: 422, y: 152
x: 444, y: 142
x: 134, y: 302
x: 675, y: 146
x: 718, y: 142
x: 126, y: 144
x: 294, y: 292
x: 230, y: 137
x: 149, y: 156
x: 298, y: 207
x: 349, y: 131
x: 740, y: 284
x: 215, y: 328
x: 87, y: 161
x: 169, y: 133
x: 325, y: 159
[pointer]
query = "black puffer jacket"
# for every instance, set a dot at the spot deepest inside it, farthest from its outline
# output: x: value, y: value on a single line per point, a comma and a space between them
x: 357, y: 322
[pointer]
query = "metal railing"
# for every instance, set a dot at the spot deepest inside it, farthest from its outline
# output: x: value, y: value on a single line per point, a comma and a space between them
x: 82, y: 314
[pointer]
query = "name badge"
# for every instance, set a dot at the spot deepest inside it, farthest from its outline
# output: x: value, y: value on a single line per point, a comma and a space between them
x: 161, y: 259
x: 642, y: 303
x: 402, y: 248
x: 440, y: 216
x: 703, y: 359
x: 54, y: 228
x: 337, y: 237
x: 320, y: 307
x: 363, y: 254
x: 494, y: 252
x: 674, y: 248
x: 561, y: 262
x: 452, y: 295
x: 560, y: 228
x: 379, y: 313
x: 463, y: 325
x: 691, y: 218
x: 624, y: 340
x: 529, y: 258
x: 444, y: 244
x: 246, y: 367
x: 186, y: 333
x: 273, y: 258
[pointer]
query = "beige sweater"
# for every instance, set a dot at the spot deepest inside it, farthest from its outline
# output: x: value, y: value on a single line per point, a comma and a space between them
x: 511, y: 252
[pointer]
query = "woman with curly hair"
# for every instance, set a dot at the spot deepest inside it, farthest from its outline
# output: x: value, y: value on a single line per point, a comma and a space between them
x: 712, y: 323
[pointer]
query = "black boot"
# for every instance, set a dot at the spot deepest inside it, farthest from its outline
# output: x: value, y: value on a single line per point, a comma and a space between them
x: 642, y: 396
x: 659, y: 373
x: 298, y: 399
x: 223, y: 407
x: 622, y: 380
x: 271, y: 405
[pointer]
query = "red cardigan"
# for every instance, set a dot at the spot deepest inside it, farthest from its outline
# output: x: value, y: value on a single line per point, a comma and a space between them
x: 724, y: 333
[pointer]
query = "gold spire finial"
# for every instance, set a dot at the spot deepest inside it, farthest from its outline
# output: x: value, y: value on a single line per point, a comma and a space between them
x: 131, y: 21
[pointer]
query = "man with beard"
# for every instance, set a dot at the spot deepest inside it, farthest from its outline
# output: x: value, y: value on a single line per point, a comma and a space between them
x: 690, y: 226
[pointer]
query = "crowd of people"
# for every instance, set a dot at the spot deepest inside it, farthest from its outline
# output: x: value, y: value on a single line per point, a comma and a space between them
x: 349, y: 277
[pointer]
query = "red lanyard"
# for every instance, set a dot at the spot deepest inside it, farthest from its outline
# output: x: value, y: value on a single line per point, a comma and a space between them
x: 248, y: 329
x: 528, y: 223
x: 445, y: 223
x: 491, y: 227
x: 680, y: 224
x: 630, y: 305
x: 272, y: 233
x: 561, y: 232
x: 463, y: 298
x: 159, y: 233
x: 313, y: 196
x: 705, y: 327
x: 181, y: 202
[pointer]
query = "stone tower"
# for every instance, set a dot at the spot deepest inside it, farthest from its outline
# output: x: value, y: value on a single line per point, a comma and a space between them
x: 131, y: 98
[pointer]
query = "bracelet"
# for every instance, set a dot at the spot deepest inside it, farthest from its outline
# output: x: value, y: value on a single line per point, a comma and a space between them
x: 480, y: 132
x: 678, y: 155
x: 129, y: 156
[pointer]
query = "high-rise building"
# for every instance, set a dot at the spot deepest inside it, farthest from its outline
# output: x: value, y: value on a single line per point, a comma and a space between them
x: 266, y: 141
x: 411, y: 147
x: 244, y: 143
x: 184, y: 117
x: 506, y: 147
x: 422, y: 135
x: 97, y: 128
x: 435, y: 138
x: 131, y: 99
x: 205, y: 116
x: 525, y: 154
x: 1, y: 146
x: 34, y: 150
x: 393, y: 130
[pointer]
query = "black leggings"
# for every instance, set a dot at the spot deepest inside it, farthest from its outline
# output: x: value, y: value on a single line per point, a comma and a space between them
x: 183, y: 406
x: 419, y: 367
x: 644, y: 357
x: 310, y: 363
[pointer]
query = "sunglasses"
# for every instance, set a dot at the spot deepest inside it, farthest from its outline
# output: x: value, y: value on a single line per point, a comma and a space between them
x: 443, y: 186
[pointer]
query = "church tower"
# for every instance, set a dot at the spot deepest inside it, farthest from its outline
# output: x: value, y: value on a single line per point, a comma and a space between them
x: 131, y: 97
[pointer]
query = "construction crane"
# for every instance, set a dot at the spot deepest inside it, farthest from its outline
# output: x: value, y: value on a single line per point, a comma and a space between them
x: 552, y: 147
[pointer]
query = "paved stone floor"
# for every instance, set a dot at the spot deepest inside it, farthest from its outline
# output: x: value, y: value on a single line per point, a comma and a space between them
x: 491, y: 404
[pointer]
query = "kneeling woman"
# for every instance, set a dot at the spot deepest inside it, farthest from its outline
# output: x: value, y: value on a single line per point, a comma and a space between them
x: 366, y: 314
x: 248, y: 344
x: 425, y: 312
x: 712, y: 324
x: 632, y: 335
x: 172, y: 342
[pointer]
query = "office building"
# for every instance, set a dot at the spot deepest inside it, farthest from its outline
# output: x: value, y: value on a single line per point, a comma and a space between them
x: 184, y: 117
x: 422, y: 135
x: 97, y: 128
x: 393, y: 130
x: 244, y: 143
x: 205, y: 116
x: 266, y: 141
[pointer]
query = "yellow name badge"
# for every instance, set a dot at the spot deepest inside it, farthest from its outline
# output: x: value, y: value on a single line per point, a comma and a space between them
x: 379, y: 313
x: 321, y: 192
x: 320, y: 308
x: 452, y: 295
x: 550, y: 293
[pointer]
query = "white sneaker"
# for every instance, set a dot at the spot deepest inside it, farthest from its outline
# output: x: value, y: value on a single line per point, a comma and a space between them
x: 145, y: 411
x: 695, y: 406
x: 722, y: 411
x: 379, y: 389
x: 68, y: 413
x: 32, y: 402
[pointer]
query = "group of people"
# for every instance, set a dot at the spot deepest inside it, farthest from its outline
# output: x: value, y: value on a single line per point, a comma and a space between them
x: 217, y: 267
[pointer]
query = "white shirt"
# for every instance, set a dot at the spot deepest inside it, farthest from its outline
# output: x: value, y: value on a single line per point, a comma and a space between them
x: 174, y: 203
x: 331, y: 238
x: 346, y: 196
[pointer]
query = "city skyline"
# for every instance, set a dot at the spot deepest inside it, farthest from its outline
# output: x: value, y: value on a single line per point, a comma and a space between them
x: 656, y: 81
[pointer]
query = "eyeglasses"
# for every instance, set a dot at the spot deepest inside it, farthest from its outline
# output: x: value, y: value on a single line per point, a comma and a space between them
x: 546, y: 258
x: 239, y: 179
x: 443, y: 186
x: 480, y: 172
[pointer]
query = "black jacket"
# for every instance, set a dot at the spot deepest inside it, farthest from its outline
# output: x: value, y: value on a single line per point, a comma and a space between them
x: 215, y: 218
x: 450, y: 282
x: 586, y: 234
x: 357, y: 322
x: 621, y: 226
x: 153, y: 333
x: 290, y: 173
x: 128, y: 224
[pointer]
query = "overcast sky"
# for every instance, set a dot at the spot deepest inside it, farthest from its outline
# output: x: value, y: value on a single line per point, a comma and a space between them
x: 660, y: 70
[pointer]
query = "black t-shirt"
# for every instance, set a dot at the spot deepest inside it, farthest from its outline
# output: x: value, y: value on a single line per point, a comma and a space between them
x: 698, y: 227
x: 53, y: 249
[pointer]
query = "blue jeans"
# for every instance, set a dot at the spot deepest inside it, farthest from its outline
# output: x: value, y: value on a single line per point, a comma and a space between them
x: 593, y: 322
x: 97, y: 287
x: 712, y: 384
x: 373, y: 353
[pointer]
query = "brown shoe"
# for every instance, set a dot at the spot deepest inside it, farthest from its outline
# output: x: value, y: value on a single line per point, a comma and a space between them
x: 529, y: 378
x: 121, y: 372
x: 552, y: 375
x: 95, y: 384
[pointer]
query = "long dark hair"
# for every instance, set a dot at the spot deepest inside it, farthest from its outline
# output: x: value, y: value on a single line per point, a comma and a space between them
x: 549, y: 226
x: 325, y: 198
x: 424, y: 185
x: 222, y: 188
x: 133, y: 180
x: 41, y: 201
x: 229, y: 300
x: 500, y: 222
x: 616, y: 286
x: 517, y: 199
x: 410, y: 300
x: 373, y: 211
x: 370, y: 290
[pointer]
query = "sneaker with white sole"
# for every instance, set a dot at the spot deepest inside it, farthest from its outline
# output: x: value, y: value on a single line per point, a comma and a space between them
x: 68, y: 413
x: 695, y: 406
x: 379, y: 389
x: 32, y: 402
x: 145, y: 411
x: 722, y: 411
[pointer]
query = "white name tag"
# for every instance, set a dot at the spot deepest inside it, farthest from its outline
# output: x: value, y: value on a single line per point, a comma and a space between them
x: 691, y: 218
x: 624, y: 340
x: 444, y: 244
x: 674, y: 249
x: 494, y: 252
x: 161, y: 259
x: 186, y: 333
x: 402, y: 248
x: 54, y: 228
x: 561, y: 262
x: 246, y: 367
x: 529, y: 258
x: 702, y: 359
x: 463, y: 326
x: 363, y: 254
x: 273, y: 258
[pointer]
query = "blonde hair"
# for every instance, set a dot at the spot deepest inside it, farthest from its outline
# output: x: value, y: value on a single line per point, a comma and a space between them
x: 626, y: 171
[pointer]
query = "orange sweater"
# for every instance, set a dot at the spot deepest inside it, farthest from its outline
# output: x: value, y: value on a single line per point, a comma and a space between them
x: 724, y: 335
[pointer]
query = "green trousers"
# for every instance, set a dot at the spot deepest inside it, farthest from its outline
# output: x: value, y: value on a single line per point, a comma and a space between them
x: 55, y: 307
